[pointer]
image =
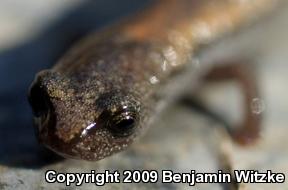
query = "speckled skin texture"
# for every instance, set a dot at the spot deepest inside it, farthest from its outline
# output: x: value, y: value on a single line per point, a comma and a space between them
x: 103, y: 93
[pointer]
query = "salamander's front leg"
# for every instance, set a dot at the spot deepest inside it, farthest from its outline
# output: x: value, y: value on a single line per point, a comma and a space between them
x: 248, y: 132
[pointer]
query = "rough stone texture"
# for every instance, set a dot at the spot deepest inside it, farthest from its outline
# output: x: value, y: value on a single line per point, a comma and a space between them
x: 181, y: 139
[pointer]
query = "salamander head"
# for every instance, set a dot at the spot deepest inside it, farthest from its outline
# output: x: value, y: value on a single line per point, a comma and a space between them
x: 88, y: 120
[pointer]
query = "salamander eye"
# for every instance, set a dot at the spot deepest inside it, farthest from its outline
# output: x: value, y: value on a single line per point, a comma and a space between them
x: 123, y: 124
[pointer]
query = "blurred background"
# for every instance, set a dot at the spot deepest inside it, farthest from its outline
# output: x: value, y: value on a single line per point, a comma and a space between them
x: 34, y: 34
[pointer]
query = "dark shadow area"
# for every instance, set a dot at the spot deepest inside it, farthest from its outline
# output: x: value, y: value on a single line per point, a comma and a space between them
x: 18, y: 66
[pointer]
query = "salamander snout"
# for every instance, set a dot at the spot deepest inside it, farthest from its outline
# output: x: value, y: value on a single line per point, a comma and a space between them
x: 45, y: 88
x: 41, y: 103
x: 39, y: 100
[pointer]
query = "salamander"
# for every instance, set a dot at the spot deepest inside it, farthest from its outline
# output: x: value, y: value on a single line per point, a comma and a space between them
x: 106, y: 90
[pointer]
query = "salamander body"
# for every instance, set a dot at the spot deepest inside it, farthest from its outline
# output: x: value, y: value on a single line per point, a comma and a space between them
x: 104, y: 92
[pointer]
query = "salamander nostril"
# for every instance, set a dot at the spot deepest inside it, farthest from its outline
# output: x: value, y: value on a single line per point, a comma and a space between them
x: 39, y: 100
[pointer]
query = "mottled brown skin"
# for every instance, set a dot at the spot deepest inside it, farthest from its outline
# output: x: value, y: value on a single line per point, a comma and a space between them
x: 103, y: 93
